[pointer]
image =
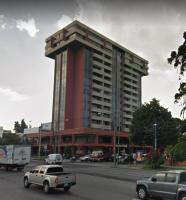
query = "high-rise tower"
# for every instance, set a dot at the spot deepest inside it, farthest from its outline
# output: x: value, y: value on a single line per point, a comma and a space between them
x: 97, y: 82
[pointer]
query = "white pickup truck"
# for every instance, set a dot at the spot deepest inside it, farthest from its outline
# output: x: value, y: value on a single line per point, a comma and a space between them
x: 49, y: 177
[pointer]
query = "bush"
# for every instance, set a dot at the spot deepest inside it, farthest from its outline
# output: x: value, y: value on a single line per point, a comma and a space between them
x: 178, y: 152
x: 154, y: 160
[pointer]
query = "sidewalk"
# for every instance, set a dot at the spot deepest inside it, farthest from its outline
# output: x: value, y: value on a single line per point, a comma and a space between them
x: 107, y: 164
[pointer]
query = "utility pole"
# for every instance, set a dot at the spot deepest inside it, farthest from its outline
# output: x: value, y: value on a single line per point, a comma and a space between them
x: 114, y: 146
x: 155, y: 136
x: 39, y: 148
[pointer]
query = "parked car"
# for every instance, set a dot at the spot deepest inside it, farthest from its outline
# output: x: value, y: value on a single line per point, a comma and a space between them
x: 49, y: 177
x: 73, y: 158
x: 85, y: 158
x: 54, y: 159
x: 164, y: 185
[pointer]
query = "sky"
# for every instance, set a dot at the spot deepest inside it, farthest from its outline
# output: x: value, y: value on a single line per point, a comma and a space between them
x: 151, y: 29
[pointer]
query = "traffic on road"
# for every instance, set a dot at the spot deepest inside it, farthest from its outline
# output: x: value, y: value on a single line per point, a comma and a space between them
x: 91, y: 181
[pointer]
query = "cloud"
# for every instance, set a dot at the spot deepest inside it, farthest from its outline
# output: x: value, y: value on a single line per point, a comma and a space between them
x: 12, y: 95
x: 3, y: 26
x: 63, y: 21
x: 29, y: 26
x: 1, y: 17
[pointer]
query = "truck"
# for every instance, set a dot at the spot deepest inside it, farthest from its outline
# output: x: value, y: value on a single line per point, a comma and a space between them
x: 49, y: 177
x: 96, y: 156
x: 14, y: 156
x: 165, y: 185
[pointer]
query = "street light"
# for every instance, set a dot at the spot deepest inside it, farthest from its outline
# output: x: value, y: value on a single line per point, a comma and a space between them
x: 155, y: 136
x: 39, y: 148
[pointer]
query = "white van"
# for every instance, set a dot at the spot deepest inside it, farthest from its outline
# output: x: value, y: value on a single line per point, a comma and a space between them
x: 54, y: 159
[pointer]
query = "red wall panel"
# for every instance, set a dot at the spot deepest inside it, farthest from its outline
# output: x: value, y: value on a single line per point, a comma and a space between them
x: 74, y: 88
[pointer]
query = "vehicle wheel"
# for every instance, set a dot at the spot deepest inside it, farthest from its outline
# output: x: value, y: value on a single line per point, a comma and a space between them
x: 26, y: 183
x: 66, y: 189
x: 182, y: 196
x: 142, y: 192
x: 46, y: 187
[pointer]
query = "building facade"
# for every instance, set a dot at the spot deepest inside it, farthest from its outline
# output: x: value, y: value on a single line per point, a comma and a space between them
x: 97, y: 87
x: 97, y: 82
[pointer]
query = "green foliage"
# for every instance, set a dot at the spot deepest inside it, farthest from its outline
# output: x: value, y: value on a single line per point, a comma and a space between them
x: 23, y: 125
x: 178, y: 58
x: 183, y: 126
x: 178, y: 152
x: 142, y: 129
x: 10, y: 138
x: 154, y: 160
x: 19, y: 127
x: 67, y: 152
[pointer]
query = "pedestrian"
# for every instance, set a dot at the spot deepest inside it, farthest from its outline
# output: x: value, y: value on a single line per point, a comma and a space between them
x: 134, y: 158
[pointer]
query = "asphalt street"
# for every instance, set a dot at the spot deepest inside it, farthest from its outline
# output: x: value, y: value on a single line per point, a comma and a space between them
x: 97, y: 182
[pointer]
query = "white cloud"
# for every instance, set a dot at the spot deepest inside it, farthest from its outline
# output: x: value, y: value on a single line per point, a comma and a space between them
x: 12, y: 95
x: 29, y: 26
x: 3, y: 26
x: 63, y: 21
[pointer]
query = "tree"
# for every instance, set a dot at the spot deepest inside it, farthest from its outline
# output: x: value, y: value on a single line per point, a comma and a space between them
x: 144, y: 119
x: 23, y: 125
x: 178, y: 152
x: 17, y: 127
x: 10, y: 138
x: 179, y: 59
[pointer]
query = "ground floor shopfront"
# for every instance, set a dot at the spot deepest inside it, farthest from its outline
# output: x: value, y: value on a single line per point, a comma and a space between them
x: 79, y: 142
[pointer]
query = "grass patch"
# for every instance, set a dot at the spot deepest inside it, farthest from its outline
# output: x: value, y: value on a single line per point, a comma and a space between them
x: 42, y: 158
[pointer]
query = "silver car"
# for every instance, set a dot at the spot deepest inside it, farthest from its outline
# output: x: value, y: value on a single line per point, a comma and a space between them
x: 165, y: 185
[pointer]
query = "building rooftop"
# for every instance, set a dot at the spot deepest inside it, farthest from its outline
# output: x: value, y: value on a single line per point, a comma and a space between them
x: 85, y: 27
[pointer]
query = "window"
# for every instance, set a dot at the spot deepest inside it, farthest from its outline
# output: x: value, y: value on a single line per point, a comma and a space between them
x: 106, y: 56
x: 160, y: 177
x: 35, y: 171
x: 171, y: 178
x: 54, y: 170
x: 96, y: 67
x: 106, y: 100
x: 98, y: 60
x: 183, y: 178
x: 96, y: 74
x: 107, y: 64
x: 42, y: 170
x: 107, y: 93
x: 107, y: 85
x: 106, y: 107
x: 107, y: 78
x: 107, y: 71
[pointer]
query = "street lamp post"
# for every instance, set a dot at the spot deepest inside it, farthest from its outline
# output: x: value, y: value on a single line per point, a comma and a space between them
x: 155, y: 136
x: 39, y: 148
x: 114, y: 146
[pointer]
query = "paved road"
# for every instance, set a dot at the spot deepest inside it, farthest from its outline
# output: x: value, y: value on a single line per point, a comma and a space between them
x: 90, y: 184
x: 107, y: 170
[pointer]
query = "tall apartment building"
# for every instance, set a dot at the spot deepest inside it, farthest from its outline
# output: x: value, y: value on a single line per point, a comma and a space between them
x: 97, y: 87
x: 97, y: 82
